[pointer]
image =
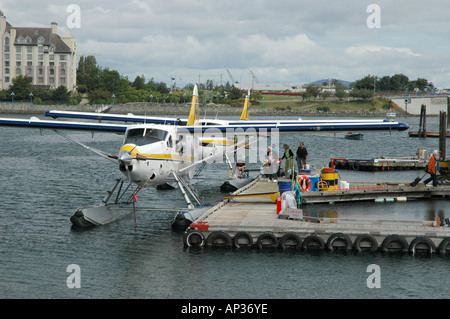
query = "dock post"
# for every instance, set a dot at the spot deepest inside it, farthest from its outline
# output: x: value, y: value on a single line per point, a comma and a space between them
x: 442, y: 135
x: 422, y: 122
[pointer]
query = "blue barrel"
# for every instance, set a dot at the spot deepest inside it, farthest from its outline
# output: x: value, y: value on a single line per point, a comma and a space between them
x: 314, y: 182
x: 284, y: 187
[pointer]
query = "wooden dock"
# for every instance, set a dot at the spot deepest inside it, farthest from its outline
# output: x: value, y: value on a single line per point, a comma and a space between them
x: 379, y: 164
x: 252, y: 221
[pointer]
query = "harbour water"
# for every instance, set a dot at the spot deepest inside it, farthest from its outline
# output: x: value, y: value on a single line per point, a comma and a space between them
x: 44, y: 178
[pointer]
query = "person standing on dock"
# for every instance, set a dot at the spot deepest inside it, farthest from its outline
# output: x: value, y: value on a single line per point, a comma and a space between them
x: 302, y: 155
x: 271, y: 165
x: 289, y: 156
x: 431, y: 169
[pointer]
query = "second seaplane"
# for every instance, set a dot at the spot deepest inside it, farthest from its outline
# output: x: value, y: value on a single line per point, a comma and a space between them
x: 159, y: 151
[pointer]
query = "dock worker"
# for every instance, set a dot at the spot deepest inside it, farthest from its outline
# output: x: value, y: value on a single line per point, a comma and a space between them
x: 302, y: 155
x: 289, y: 156
x: 431, y: 169
x: 271, y: 165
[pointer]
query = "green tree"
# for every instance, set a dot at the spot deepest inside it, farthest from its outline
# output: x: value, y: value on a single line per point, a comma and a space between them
x: 61, y: 94
x: 21, y: 87
x: 235, y: 93
x: 312, y: 90
x: 340, y: 91
x: 139, y: 82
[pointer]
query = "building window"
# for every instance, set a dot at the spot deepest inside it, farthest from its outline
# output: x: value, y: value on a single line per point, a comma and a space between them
x: 29, y: 63
x: 18, y: 71
x: 29, y: 57
x: 62, y: 57
x: 40, y: 40
x: 29, y: 71
x: 6, y: 63
x: 40, y: 49
x: 6, y: 70
x: 6, y: 56
x: 6, y: 78
x: 7, y: 40
x: 52, y: 80
x: 62, y: 80
x: 62, y: 72
x: 40, y: 71
x: 40, y: 80
x: 6, y: 48
x: 18, y: 56
x: 20, y: 39
x: 18, y: 49
x: 29, y: 49
x: 52, y: 71
x: 18, y: 63
x: 62, y: 64
x: 40, y: 57
x: 27, y: 40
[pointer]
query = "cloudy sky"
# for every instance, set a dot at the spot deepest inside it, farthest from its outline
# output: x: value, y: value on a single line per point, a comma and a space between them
x: 283, y: 41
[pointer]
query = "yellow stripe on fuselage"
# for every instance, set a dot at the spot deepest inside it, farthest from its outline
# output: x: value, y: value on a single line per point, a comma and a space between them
x: 165, y: 156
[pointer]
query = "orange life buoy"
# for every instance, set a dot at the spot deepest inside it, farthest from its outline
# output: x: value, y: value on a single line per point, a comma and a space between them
x: 305, y: 183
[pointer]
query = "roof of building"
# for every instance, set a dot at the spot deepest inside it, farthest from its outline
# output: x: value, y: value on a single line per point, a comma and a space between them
x: 44, y: 36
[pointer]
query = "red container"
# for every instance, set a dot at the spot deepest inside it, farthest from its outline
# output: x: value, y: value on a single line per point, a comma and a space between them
x: 201, y: 226
x: 278, y: 204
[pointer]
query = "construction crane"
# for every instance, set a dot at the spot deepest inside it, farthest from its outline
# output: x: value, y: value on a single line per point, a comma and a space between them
x: 231, y: 77
x: 254, y: 77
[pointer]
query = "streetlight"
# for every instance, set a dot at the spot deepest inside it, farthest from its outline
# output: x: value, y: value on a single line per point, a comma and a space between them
x: 151, y: 98
x: 12, y: 96
x: 113, y: 97
x: 31, y: 97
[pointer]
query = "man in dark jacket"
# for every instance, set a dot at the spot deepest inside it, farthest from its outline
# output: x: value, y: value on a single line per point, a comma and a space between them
x: 302, y: 155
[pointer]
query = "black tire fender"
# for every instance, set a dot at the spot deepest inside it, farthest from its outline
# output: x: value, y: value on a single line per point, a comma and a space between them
x: 221, y: 236
x: 193, y: 238
x: 264, y: 237
x: 313, y: 238
x: 394, y: 238
x: 290, y: 237
x: 443, y: 246
x: 341, y: 237
x: 245, y: 235
x: 365, y: 237
x: 422, y: 240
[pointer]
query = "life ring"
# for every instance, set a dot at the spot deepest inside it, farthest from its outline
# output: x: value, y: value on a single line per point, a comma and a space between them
x: 237, y: 242
x: 421, y: 241
x: 387, y: 243
x: 193, y: 238
x: 304, y: 183
x: 267, y: 237
x: 365, y: 238
x: 339, y: 237
x: 444, y: 246
x: 219, y: 239
x: 286, y: 239
x: 313, y: 242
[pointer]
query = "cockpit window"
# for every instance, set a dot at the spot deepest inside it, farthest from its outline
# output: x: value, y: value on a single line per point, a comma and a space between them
x: 136, y: 136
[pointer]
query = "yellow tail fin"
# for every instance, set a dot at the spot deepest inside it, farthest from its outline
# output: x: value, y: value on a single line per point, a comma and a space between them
x: 194, y: 114
x: 244, y: 115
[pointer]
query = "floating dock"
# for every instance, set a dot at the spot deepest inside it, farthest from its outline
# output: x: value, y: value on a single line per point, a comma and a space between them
x: 249, y: 218
x: 379, y: 164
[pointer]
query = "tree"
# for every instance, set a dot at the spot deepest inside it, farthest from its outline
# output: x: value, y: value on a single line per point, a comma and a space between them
x: 21, y: 87
x: 60, y: 94
x: 340, y: 91
x: 139, y: 82
x: 312, y: 90
x: 235, y: 93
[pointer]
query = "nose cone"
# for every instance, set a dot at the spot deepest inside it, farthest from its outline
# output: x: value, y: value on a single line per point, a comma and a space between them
x: 402, y: 126
x: 125, y: 157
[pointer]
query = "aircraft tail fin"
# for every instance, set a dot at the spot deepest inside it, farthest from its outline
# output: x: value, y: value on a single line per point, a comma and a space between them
x: 194, y: 114
x: 244, y: 115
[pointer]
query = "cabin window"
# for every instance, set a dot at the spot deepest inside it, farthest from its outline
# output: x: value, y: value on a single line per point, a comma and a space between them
x: 136, y: 136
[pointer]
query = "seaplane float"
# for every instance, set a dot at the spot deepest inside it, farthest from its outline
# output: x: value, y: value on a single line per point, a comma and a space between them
x: 159, y: 151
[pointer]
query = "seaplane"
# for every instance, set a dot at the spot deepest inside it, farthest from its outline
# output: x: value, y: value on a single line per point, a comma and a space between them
x: 159, y: 151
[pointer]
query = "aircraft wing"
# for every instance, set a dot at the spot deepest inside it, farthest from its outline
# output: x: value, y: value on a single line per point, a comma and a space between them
x: 300, y: 126
x: 34, y: 122
x: 115, y: 117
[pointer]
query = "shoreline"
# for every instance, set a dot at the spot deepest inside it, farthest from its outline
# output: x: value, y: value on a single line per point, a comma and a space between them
x: 175, y: 110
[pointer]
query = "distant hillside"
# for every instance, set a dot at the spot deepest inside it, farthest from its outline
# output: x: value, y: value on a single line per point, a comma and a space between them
x: 320, y: 82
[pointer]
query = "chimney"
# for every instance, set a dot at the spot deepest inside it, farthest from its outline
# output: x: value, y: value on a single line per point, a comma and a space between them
x: 55, y: 27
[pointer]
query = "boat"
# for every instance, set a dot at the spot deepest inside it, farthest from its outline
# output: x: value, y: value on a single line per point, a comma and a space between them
x: 354, y: 136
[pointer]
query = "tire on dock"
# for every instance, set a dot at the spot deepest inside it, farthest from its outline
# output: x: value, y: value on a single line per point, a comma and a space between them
x: 365, y: 242
x: 290, y: 241
x: 339, y: 241
x: 267, y: 240
x: 422, y: 244
x: 219, y: 239
x: 444, y: 246
x: 242, y: 239
x: 313, y: 242
x: 193, y: 238
x: 396, y: 243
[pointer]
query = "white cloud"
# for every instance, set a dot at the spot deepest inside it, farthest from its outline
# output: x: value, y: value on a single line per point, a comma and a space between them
x: 294, y: 41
